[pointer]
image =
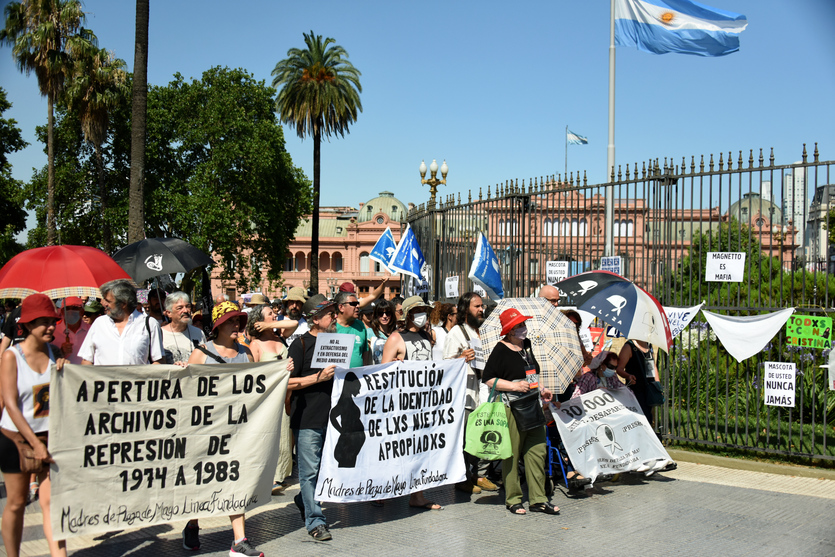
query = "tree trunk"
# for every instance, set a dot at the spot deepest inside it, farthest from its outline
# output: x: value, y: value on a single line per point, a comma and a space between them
x: 106, y: 243
x: 139, y: 105
x: 50, y: 175
x: 314, y: 233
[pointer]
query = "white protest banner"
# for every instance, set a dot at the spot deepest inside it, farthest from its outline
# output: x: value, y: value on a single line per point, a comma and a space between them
x: 779, y: 384
x: 612, y: 264
x: 723, y: 266
x: 142, y: 445
x: 605, y: 432
x: 679, y: 318
x: 394, y: 429
x: 478, y: 362
x: 451, y: 287
x: 333, y: 348
x: 555, y: 271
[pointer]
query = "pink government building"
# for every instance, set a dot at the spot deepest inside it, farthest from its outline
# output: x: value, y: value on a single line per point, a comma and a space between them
x: 346, y: 237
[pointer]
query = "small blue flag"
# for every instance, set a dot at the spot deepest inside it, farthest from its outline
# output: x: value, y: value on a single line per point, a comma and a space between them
x: 384, y: 248
x: 574, y: 139
x: 485, y: 270
x: 408, y: 258
x: 683, y: 26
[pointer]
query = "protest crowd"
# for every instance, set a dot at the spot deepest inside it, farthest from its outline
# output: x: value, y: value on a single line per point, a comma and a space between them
x: 40, y: 335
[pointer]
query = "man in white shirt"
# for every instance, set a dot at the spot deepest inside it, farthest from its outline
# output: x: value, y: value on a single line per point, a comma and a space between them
x: 124, y: 335
x: 462, y: 342
x: 179, y: 336
x: 71, y: 331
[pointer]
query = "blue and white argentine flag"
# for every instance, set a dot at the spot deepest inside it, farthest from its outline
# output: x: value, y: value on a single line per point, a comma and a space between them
x: 574, y: 139
x: 485, y: 269
x: 408, y: 258
x: 384, y: 249
x: 662, y: 26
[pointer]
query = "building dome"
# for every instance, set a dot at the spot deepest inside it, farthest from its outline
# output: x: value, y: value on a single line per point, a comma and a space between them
x: 755, y: 210
x: 384, y: 203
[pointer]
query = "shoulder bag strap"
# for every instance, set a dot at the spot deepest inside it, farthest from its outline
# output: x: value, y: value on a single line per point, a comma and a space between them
x: 463, y: 330
x: 208, y: 354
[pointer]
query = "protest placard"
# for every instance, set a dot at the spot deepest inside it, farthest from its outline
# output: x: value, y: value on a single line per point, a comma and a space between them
x: 779, y: 384
x: 451, y: 287
x: 612, y: 264
x: 333, y: 349
x: 812, y: 331
x: 555, y: 271
x: 142, y: 445
x: 605, y: 432
x: 479, y: 290
x: 478, y: 362
x: 679, y: 318
x: 725, y: 266
x: 394, y: 429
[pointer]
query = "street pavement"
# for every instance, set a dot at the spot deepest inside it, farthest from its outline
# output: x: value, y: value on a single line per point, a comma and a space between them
x: 695, y: 510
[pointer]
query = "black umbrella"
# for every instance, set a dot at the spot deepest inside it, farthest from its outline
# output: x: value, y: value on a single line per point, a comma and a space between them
x: 152, y: 257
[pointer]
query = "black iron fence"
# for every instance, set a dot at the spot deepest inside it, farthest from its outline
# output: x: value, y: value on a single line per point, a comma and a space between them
x: 666, y: 217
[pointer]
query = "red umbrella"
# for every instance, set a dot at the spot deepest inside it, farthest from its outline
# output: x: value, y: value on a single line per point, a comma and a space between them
x: 58, y: 272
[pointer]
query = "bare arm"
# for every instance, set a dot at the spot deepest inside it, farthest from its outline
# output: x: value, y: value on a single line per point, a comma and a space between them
x: 394, y: 348
x: 374, y: 294
x: 296, y: 383
x: 623, y: 359
x: 8, y: 380
x: 508, y: 386
x: 284, y: 324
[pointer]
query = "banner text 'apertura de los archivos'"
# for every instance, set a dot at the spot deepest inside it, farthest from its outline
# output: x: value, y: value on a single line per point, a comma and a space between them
x: 394, y: 429
x: 142, y: 445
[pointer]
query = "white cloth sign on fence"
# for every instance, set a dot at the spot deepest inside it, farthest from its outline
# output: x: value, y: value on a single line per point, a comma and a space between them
x: 679, y: 318
x: 605, y: 432
x: 394, y: 429
x: 743, y: 337
x: 142, y: 445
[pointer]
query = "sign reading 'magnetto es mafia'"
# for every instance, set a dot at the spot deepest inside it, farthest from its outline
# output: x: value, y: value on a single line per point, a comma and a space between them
x: 142, y: 445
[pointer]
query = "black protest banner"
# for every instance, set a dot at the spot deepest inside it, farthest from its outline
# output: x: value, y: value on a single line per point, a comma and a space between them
x: 141, y: 445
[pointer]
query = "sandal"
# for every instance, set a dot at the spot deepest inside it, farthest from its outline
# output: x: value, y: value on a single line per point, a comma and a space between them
x: 517, y: 509
x: 546, y: 508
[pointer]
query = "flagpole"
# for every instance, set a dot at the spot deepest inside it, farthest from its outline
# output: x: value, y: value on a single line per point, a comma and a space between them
x: 566, y: 151
x: 609, y: 245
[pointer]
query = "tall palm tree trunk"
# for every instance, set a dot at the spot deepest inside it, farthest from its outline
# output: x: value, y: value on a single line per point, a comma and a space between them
x: 314, y: 234
x: 50, y: 175
x: 139, y: 106
x: 105, y: 226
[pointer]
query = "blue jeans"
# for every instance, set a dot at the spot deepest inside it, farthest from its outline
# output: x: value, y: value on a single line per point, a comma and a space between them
x: 309, y: 443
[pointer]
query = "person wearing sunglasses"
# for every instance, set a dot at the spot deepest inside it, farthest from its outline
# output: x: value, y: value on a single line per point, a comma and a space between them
x: 383, y: 324
x: 348, y: 323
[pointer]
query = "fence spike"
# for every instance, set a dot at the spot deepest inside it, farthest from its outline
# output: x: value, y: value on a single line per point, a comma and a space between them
x: 644, y: 169
x: 619, y: 174
x: 730, y: 160
x: 585, y: 180
x: 751, y: 159
x: 816, y: 152
x: 516, y: 187
x: 721, y: 161
x: 459, y: 198
x: 627, y: 171
x: 771, y: 158
x: 488, y: 191
x: 761, y: 157
x: 702, y: 164
x: 479, y: 193
x: 692, y: 164
x: 711, y: 162
x: 804, y: 153
x: 683, y: 165
x: 613, y: 174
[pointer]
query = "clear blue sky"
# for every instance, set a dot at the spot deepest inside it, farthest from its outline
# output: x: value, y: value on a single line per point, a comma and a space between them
x: 490, y: 86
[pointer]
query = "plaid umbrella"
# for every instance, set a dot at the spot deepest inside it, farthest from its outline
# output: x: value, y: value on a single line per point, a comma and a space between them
x: 553, y: 337
x: 58, y: 272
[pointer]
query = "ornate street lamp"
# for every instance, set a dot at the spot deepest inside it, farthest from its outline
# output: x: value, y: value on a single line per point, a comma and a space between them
x: 433, y: 180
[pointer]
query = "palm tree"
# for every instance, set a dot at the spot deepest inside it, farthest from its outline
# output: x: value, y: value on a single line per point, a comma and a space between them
x: 320, y: 96
x: 139, y: 111
x: 44, y: 36
x: 98, y: 86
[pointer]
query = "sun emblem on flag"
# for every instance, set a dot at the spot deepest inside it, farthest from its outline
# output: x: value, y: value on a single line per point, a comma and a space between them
x: 667, y: 17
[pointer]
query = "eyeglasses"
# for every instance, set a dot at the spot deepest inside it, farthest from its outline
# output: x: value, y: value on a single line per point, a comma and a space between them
x: 354, y: 304
x: 388, y: 313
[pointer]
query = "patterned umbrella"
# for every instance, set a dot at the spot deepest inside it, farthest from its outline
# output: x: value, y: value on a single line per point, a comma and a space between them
x: 58, y: 272
x: 553, y: 337
x: 619, y: 302
x: 153, y: 257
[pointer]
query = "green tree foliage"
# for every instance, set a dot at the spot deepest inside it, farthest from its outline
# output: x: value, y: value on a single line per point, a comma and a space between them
x: 217, y: 175
x: 46, y: 36
x: 319, y: 96
x: 11, y: 198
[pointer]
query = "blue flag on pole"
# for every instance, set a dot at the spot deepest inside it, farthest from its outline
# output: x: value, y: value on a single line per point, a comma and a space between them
x: 574, y: 139
x: 384, y: 249
x: 408, y: 258
x: 683, y: 26
x: 485, y: 269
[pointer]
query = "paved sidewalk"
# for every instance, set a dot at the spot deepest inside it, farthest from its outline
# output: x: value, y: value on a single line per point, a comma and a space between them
x: 695, y: 510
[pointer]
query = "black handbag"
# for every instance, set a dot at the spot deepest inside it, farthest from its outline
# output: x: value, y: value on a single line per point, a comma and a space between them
x: 527, y: 411
x: 655, y: 393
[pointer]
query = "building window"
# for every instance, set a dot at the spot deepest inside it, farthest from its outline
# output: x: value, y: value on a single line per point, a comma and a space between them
x: 337, y: 262
x: 583, y: 227
x: 364, y: 262
x: 546, y: 227
x: 288, y: 264
x: 230, y: 294
x: 324, y: 261
x: 363, y: 291
x: 574, y: 227
x: 299, y: 262
x: 565, y: 227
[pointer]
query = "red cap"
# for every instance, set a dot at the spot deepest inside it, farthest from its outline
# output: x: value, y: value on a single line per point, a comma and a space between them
x: 35, y: 306
x: 72, y: 302
x: 510, y: 318
x: 347, y: 287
